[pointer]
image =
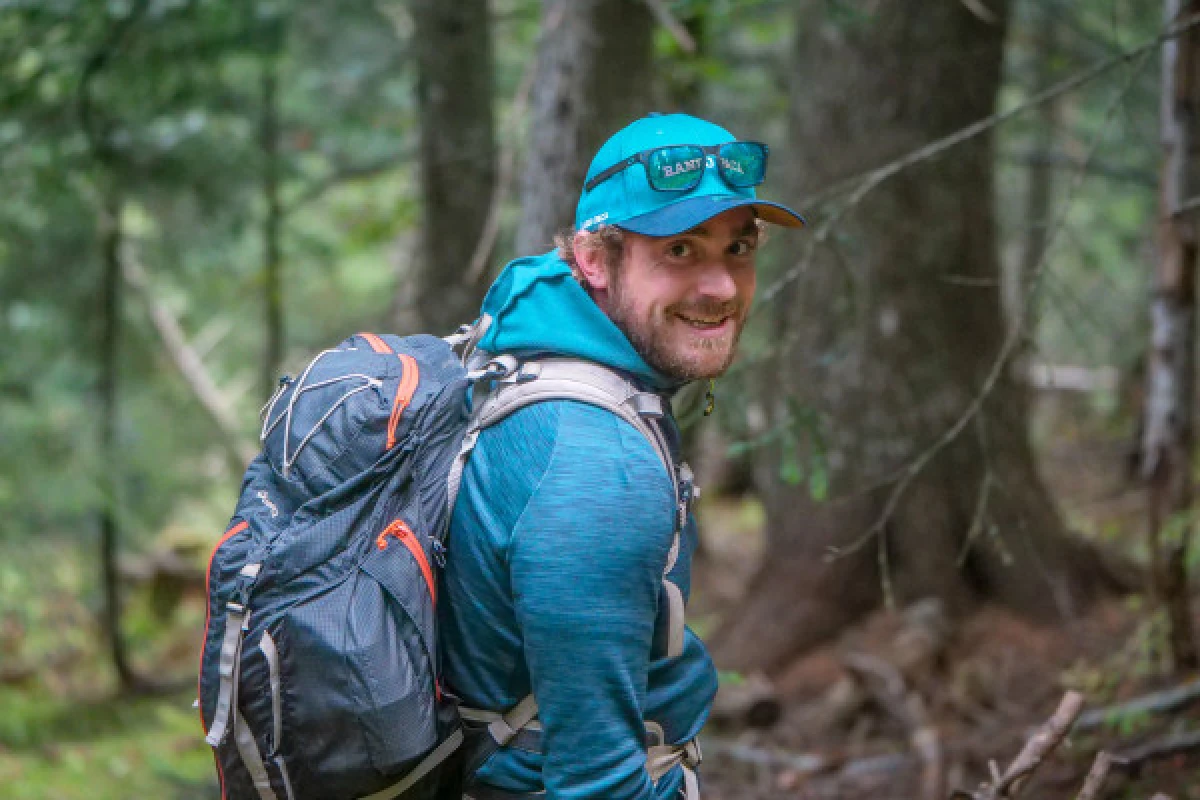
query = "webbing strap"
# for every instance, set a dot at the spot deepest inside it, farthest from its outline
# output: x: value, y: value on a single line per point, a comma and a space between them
x: 464, y: 340
x: 435, y: 757
x: 661, y: 759
x: 504, y: 728
x: 267, y: 645
x: 454, y: 481
x: 229, y: 665
x: 252, y: 758
x: 229, y: 668
x: 676, y: 609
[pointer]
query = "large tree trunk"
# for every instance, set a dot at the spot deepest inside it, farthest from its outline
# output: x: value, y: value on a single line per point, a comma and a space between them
x: 593, y: 77
x: 455, y: 90
x: 898, y: 322
x: 1168, y: 435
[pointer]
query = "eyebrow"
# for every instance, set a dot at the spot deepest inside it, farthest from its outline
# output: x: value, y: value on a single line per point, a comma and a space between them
x: 700, y: 230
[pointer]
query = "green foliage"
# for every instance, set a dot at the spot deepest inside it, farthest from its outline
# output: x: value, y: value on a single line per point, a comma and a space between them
x: 156, y: 107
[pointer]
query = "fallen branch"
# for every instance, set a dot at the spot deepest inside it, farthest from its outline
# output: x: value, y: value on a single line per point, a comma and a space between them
x: 1096, y: 776
x: 1161, y: 702
x: 802, y: 764
x: 890, y: 691
x: 1177, y: 744
x: 806, y: 765
x: 237, y: 448
x: 1032, y: 755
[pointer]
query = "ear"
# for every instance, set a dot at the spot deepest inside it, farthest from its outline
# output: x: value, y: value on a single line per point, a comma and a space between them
x: 591, y: 261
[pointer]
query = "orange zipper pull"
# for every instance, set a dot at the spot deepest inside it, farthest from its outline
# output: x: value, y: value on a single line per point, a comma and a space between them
x: 396, y: 528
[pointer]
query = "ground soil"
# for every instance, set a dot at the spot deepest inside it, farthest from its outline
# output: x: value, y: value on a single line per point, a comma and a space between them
x: 994, y: 681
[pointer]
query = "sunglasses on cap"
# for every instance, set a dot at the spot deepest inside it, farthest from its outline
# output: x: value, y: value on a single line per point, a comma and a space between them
x: 680, y: 167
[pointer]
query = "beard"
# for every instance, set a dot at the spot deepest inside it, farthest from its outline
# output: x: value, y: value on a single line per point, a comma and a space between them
x: 664, y: 341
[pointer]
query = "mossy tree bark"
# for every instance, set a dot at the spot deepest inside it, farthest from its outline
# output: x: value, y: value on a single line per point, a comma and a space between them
x: 897, y: 323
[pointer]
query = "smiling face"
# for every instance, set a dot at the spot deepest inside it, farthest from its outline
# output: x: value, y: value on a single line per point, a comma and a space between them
x: 681, y: 300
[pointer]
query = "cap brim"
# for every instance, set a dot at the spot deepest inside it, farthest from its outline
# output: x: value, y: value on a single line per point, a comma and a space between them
x: 687, y: 214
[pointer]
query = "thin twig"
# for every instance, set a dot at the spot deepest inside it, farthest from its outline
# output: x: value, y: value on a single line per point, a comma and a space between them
x: 676, y: 28
x: 984, y: 13
x: 1162, y: 702
x: 343, y: 175
x: 1176, y: 744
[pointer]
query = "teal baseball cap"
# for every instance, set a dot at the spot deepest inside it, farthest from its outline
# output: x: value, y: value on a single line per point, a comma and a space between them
x: 624, y: 197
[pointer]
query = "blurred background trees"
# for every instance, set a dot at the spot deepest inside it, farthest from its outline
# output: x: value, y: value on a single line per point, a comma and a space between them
x: 941, y: 379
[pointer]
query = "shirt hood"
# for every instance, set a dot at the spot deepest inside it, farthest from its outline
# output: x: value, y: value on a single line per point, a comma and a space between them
x: 536, y: 305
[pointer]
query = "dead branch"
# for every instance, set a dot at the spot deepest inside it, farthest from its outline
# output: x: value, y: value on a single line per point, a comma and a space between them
x: 831, y: 768
x: 343, y: 174
x: 1161, y: 702
x: 1095, y: 777
x: 890, y: 692
x: 1048, y: 737
x: 1176, y: 744
x: 191, y: 368
x: 803, y: 764
x: 676, y: 28
x: 984, y: 13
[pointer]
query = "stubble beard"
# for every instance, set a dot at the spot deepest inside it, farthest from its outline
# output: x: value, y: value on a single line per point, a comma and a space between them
x: 679, y: 358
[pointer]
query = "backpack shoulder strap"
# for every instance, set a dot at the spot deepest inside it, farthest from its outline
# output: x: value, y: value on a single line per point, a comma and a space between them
x: 513, y: 385
x: 558, y: 378
x: 503, y: 385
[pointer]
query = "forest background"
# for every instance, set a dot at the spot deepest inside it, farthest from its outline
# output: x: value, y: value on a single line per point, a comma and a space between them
x: 935, y: 427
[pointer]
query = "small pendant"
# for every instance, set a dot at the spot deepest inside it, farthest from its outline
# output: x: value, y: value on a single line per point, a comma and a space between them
x: 710, y: 399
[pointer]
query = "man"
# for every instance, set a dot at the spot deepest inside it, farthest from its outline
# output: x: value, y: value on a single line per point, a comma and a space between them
x: 564, y: 525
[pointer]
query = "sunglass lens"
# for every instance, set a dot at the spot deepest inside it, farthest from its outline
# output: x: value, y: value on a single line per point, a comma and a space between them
x: 743, y: 164
x: 675, y: 169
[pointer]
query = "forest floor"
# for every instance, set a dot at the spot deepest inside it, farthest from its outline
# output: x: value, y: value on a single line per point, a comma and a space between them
x: 854, y: 725
x: 64, y: 734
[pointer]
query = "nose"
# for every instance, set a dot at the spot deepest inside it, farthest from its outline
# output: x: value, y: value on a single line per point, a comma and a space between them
x: 715, y: 281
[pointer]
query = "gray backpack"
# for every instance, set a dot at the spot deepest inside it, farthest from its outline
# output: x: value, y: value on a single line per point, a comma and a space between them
x: 319, y: 674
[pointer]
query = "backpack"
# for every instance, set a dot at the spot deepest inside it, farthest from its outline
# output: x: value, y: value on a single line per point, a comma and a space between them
x: 319, y: 674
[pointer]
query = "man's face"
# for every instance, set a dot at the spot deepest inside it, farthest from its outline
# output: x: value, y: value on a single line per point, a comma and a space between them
x: 682, y: 300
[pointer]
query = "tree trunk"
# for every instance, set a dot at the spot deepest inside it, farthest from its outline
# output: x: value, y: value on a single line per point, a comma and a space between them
x: 1171, y: 378
x: 898, y: 321
x: 457, y: 161
x: 594, y: 77
x: 272, y: 223
x: 110, y: 333
x: 1040, y: 186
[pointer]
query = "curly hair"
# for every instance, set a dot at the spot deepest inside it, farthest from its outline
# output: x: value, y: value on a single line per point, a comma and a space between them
x: 608, y: 238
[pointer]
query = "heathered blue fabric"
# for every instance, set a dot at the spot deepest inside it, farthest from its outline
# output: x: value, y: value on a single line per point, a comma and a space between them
x: 556, y: 552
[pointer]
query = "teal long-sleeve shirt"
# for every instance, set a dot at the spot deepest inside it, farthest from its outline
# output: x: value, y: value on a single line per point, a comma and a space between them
x: 553, y: 585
